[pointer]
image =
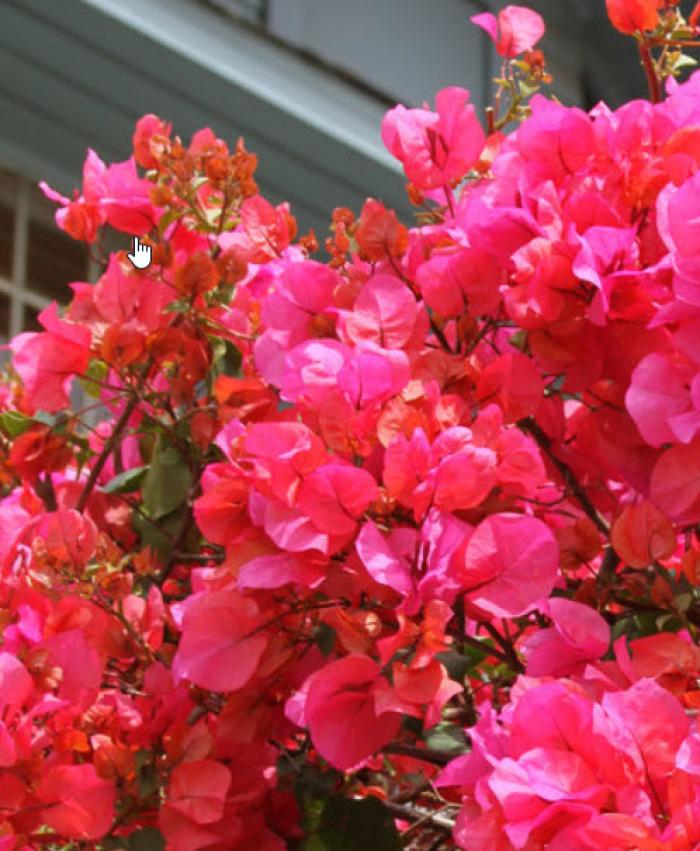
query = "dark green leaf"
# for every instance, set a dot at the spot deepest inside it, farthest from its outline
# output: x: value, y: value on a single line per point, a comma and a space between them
x: 446, y: 738
x: 167, y: 481
x: 126, y: 482
x: 311, y: 822
x: 312, y: 784
x: 457, y: 664
x: 159, y: 537
x: 147, y: 839
x: 146, y: 774
x: 325, y: 638
x: 229, y: 360
x: 683, y: 601
x: 354, y: 825
x: 412, y: 725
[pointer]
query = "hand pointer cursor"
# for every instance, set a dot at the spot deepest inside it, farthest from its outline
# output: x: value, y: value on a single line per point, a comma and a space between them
x: 141, y: 255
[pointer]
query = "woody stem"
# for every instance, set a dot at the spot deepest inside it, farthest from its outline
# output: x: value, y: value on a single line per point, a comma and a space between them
x: 544, y: 442
x: 652, y: 76
x: 107, y: 449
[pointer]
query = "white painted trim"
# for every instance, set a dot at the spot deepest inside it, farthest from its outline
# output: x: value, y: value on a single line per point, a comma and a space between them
x: 276, y: 76
x: 38, y: 302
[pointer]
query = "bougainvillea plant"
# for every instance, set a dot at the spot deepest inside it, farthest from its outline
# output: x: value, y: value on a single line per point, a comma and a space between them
x: 394, y: 547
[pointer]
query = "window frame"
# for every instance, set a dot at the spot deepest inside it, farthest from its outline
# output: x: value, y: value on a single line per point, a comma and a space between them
x: 25, y: 209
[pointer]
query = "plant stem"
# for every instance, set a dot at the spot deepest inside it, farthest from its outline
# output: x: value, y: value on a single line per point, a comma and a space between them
x: 544, y: 442
x: 653, y: 81
x: 484, y: 648
x: 427, y: 755
x: 440, y: 336
x: 508, y: 650
x: 107, y: 449
x: 420, y: 815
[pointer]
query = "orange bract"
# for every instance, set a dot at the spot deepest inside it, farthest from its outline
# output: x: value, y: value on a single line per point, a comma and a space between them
x: 630, y: 16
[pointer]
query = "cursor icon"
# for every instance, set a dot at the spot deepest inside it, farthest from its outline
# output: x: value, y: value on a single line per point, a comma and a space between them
x: 140, y: 255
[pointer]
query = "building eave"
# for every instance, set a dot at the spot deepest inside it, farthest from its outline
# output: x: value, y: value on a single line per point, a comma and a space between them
x: 79, y: 72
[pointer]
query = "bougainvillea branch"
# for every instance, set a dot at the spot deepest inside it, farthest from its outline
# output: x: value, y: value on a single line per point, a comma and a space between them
x: 650, y: 71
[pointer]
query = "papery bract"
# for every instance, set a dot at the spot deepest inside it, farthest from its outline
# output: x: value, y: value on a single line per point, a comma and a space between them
x: 435, y: 147
x: 340, y: 712
x: 515, y: 30
x: 76, y: 802
x: 642, y: 534
x: 198, y: 790
x: 629, y: 16
x: 222, y: 641
x: 508, y: 564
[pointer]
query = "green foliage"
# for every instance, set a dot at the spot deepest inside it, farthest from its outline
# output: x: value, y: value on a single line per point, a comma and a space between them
x: 147, y: 839
x: 146, y: 774
x: 13, y: 423
x: 167, y: 481
x: 446, y: 738
x: 344, y: 824
x: 126, y: 482
x: 457, y: 664
x: 325, y: 638
x: 96, y: 373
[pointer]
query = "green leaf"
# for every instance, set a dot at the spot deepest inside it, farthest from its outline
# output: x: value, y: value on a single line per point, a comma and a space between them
x: 227, y: 358
x: 114, y: 842
x: 168, y: 218
x: 518, y: 340
x: 178, y: 306
x: 146, y: 774
x: 684, y: 61
x: 682, y: 602
x: 126, y: 482
x: 354, y: 825
x: 96, y: 373
x: 159, y: 538
x: 446, y: 738
x: 147, y: 839
x: 167, y: 481
x: 312, y: 784
x: 668, y: 623
x: 457, y: 664
x: 13, y: 423
x: 325, y: 638
x: 51, y: 420
x: 311, y: 823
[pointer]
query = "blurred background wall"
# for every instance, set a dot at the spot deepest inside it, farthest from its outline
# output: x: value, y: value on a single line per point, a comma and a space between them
x: 306, y: 82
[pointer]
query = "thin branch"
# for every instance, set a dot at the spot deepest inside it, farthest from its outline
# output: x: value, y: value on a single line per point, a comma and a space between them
x: 511, y: 656
x: 102, y: 458
x: 442, y: 339
x: 416, y: 814
x: 484, y: 648
x: 426, y: 754
x: 649, y: 66
x: 531, y: 426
